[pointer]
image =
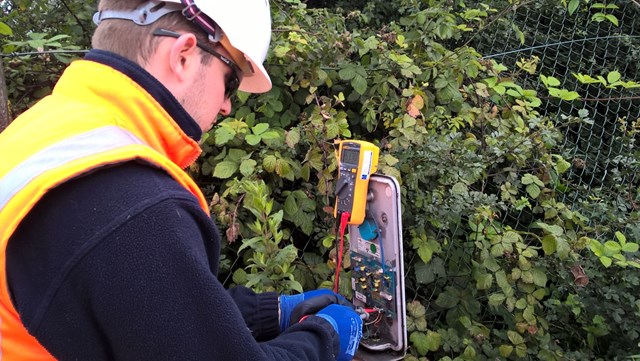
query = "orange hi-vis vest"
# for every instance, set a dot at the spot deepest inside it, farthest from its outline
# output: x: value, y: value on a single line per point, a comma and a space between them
x: 96, y: 116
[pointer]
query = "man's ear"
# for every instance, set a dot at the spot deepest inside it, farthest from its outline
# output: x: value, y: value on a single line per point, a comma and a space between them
x: 183, y: 57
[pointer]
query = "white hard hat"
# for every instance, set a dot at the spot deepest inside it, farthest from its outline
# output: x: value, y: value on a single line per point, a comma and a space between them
x: 246, y: 25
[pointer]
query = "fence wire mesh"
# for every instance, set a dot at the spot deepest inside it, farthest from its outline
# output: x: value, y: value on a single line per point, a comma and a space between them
x: 600, y: 150
x: 568, y: 44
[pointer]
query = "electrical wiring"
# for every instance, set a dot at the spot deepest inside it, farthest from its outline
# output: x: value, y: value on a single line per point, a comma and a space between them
x: 344, y: 218
x: 377, y: 319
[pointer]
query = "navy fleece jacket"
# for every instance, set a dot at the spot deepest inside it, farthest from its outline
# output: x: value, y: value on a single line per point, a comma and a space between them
x: 121, y: 264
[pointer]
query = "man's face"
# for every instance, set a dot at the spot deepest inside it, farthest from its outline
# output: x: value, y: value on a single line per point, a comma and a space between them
x: 200, y: 88
x: 206, y: 99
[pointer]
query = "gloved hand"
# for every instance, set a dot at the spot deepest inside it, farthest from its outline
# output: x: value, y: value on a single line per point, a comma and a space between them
x: 317, y: 303
x: 292, y: 308
x: 348, y: 325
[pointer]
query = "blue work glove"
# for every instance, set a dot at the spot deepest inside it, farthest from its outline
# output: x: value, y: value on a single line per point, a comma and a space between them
x: 348, y: 325
x: 292, y: 308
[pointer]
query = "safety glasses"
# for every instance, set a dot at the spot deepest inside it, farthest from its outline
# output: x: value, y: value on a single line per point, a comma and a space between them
x: 232, y: 82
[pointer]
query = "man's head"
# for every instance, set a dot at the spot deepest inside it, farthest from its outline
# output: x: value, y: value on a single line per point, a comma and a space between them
x: 229, y: 40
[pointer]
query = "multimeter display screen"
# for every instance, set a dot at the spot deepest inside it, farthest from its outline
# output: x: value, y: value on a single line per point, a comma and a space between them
x: 350, y: 156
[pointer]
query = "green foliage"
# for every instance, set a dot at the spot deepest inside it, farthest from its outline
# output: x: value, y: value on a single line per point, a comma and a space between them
x: 47, y: 34
x: 613, y: 80
x: 269, y: 265
x: 614, y: 251
x: 551, y: 83
x: 602, y: 16
x: 470, y: 148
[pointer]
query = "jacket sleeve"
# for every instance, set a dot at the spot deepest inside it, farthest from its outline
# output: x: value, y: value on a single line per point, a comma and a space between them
x: 143, y: 288
x: 260, y: 311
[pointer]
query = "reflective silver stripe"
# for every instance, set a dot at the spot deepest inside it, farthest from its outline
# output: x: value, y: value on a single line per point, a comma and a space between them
x: 68, y: 150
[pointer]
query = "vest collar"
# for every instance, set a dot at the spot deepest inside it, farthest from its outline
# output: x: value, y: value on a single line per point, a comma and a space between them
x: 138, y: 100
x: 149, y: 83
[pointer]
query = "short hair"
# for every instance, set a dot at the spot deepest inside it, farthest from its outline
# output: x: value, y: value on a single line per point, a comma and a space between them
x: 137, y: 42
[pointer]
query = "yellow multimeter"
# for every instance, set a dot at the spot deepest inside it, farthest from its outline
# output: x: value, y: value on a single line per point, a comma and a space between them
x: 357, y: 160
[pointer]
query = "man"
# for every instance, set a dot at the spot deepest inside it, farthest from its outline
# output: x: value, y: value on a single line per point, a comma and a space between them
x: 107, y: 251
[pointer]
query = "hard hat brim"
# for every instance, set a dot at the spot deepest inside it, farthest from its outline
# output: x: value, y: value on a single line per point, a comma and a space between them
x: 258, y: 82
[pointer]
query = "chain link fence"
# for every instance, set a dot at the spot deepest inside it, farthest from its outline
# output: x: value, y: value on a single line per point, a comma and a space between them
x: 594, y: 42
x: 603, y: 181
